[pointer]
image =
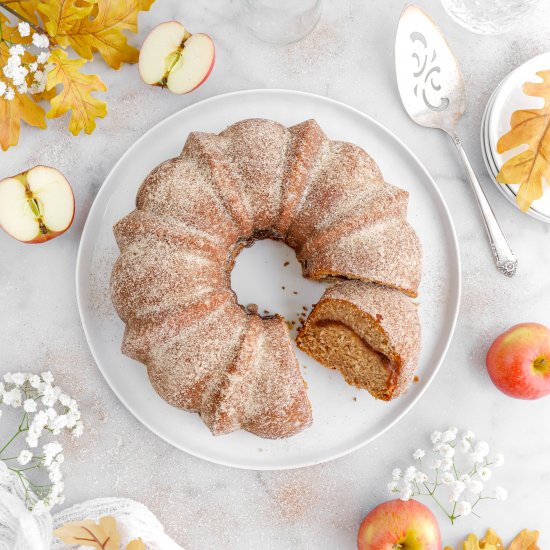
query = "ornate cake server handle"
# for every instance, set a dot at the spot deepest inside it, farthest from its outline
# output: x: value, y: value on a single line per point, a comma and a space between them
x: 505, y: 259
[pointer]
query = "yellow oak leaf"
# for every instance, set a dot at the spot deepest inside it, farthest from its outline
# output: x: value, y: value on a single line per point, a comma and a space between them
x: 529, y: 127
x: 26, y: 8
x: 492, y: 540
x: 526, y: 540
x: 101, y: 536
x: 103, y: 32
x: 76, y: 93
x: 136, y: 544
x: 60, y: 15
x: 21, y: 107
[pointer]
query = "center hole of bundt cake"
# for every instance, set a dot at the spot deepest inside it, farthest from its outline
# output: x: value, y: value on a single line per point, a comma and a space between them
x: 267, y: 279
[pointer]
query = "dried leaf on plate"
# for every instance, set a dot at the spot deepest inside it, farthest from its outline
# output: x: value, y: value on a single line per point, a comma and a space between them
x: 529, y: 127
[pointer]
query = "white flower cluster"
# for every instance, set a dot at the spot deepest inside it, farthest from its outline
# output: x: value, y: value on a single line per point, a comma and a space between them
x: 18, y: 75
x: 459, y: 466
x: 46, y: 412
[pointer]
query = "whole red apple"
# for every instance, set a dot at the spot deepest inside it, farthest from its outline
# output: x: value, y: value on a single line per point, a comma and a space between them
x: 408, y: 525
x: 518, y: 361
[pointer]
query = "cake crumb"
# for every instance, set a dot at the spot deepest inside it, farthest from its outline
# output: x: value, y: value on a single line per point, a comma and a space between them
x: 355, y: 398
x: 304, y: 308
x: 252, y: 308
x: 283, y: 287
x: 266, y: 311
x: 416, y: 379
x: 286, y: 263
x: 294, y: 292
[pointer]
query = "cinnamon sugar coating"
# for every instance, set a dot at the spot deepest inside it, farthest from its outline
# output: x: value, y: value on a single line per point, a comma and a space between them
x: 194, y: 213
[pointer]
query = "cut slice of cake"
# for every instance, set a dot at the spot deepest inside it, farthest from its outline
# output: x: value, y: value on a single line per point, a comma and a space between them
x: 370, y: 333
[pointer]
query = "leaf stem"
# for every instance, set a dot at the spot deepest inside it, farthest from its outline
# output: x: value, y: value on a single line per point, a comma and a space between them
x: 34, y: 27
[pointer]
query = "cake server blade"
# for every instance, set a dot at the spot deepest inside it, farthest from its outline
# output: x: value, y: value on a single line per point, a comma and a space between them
x: 432, y: 90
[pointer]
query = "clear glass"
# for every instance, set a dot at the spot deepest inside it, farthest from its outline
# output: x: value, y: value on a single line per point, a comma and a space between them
x: 488, y: 16
x: 282, y: 21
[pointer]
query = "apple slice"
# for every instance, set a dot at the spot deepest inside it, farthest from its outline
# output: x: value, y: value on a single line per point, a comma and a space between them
x: 37, y: 205
x: 173, y: 58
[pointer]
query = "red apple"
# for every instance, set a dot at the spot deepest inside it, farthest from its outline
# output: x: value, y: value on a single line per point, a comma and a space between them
x: 173, y: 58
x: 518, y: 361
x: 37, y: 205
x: 408, y: 525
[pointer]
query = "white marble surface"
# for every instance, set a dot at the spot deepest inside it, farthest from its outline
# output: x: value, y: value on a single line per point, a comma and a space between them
x: 349, y: 58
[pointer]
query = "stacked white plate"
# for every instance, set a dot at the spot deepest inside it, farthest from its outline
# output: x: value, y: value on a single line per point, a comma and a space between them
x: 507, y: 98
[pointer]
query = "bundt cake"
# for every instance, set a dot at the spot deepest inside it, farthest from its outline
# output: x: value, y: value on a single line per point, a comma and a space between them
x: 370, y: 333
x: 171, y: 283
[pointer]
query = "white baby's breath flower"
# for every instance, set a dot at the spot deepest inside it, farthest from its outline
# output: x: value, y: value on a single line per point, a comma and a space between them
x: 393, y: 486
x: 32, y: 441
x: 469, y: 435
x: 447, y: 478
x: 409, y: 473
x: 22, y: 88
x: 24, y: 29
x: 40, y: 40
x: 435, y: 437
x: 446, y: 451
x: 25, y: 456
x: 448, y: 435
x: 8, y: 378
x: 446, y: 464
x: 47, y: 376
x: 406, y: 493
x: 475, y: 486
x: 13, y: 398
x: 464, y: 508
x: 465, y: 478
x: 498, y: 460
x: 501, y: 493
x: 418, y: 454
x: 481, y: 448
x: 457, y: 488
x: 34, y: 381
x: 42, y: 57
x: 435, y: 464
x: 29, y: 405
x: 17, y: 49
x: 420, y: 477
x: 484, y: 473
x: 464, y: 445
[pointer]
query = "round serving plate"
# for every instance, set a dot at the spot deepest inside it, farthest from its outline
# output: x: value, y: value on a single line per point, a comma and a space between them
x: 344, y: 418
x: 508, y: 97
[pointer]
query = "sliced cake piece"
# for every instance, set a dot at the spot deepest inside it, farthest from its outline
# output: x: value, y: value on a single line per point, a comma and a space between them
x: 370, y: 333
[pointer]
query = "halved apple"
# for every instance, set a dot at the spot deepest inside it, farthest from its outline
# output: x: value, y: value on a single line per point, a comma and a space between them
x: 173, y: 58
x: 37, y: 205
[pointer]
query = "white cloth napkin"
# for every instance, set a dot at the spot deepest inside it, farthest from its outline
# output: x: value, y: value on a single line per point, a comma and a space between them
x: 22, y: 530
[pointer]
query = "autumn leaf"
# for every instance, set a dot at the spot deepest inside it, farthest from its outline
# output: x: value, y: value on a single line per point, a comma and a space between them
x: 103, y: 32
x: 526, y: 540
x: 60, y: 15
x: 529, y: 127
x: 491, y: 538
x: 21, y: 107
x: 136, y: 544
x: 101, y: 536
x: 76, y: 93
x: 26, y: 8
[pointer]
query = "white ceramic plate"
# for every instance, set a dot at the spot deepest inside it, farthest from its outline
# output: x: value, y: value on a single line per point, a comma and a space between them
x: 344, y: 417
x: 508, y: 97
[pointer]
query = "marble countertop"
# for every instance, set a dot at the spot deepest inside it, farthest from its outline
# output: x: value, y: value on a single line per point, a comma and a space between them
x: 349, y: 57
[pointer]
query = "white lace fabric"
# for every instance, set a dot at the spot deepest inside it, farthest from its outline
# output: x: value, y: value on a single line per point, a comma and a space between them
x: 22, y: 530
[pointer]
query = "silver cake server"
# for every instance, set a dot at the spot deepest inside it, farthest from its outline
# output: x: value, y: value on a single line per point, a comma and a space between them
x: 432, y: 90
